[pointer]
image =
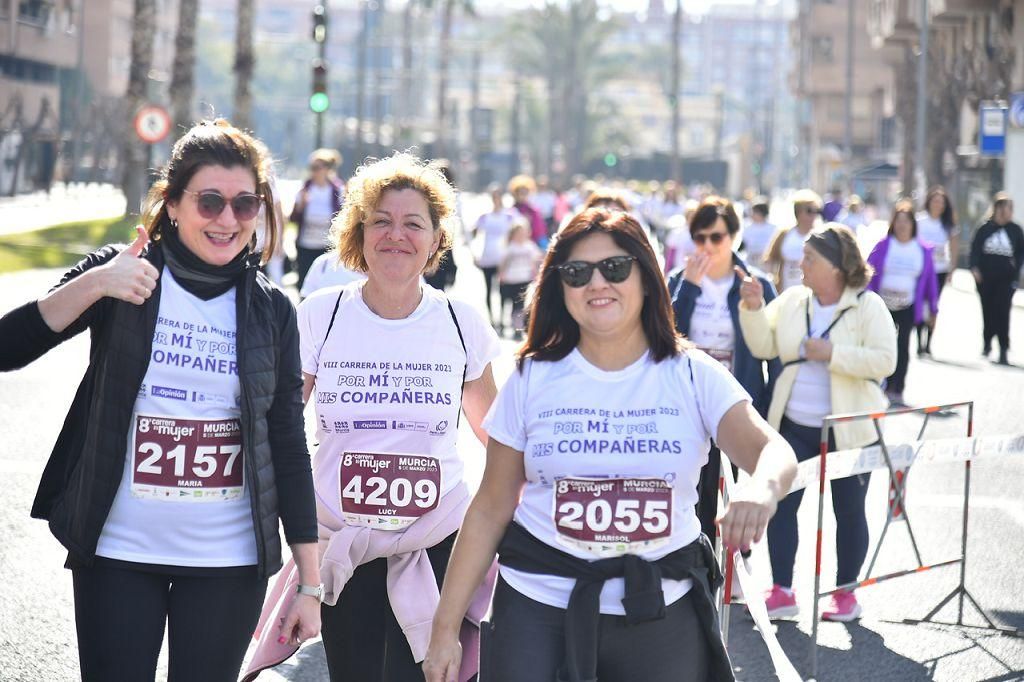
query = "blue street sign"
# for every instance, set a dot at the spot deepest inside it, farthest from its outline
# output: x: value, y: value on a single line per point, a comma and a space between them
x: 992, y: 129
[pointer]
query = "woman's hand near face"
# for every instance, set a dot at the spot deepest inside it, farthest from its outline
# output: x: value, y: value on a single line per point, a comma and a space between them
x: 696, y: 267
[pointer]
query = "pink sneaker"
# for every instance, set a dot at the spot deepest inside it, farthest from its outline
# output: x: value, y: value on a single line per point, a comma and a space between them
x: 780, y: 604
x: 844, y: 607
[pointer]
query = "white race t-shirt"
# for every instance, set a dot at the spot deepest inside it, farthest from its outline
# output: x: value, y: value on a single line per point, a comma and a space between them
x: 756, y: 237
x: 317, y: 216
x: 615, y: 456
x: 492, y: 228
x: 811, y: 399
x: 931, y: 230
x: 521, y: 261
x: 711, y: 325
x: 792, y: 257
x: 327, y: 271
x: 183, y: 498
x: 391, y: 388
x: 903, y: 265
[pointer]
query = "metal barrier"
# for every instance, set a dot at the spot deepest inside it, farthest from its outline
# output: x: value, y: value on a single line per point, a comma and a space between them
x: 964, y: 449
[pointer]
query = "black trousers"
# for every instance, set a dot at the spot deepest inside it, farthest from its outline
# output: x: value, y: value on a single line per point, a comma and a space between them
x: 304, y: 259
x: 904, y: 321
x: 996, y: 303
x: 120, y: 614
x: 924, y: 332
x: 526, y: 643
x: 362, y: 638
x: 514, y: 294
x: 490, y: 276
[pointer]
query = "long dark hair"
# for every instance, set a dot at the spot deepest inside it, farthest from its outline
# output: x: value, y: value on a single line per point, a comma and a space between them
x: 211, y: 143
x: 553, y: 332
x: 948, y: 217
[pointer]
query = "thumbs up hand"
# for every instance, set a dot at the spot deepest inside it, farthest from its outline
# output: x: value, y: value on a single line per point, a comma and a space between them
x: 129, y: 277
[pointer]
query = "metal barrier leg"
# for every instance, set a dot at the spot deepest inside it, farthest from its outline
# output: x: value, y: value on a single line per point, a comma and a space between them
x: 817, y: 551
x: 961, y: 590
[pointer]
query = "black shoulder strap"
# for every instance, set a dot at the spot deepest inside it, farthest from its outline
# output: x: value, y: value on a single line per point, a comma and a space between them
x: 330, y: 324
x: 824, y: 334
x: 465, y: 364
x: 333, y: 315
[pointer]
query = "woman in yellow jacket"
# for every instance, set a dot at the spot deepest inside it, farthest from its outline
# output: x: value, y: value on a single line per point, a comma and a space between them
x: 837, y: 343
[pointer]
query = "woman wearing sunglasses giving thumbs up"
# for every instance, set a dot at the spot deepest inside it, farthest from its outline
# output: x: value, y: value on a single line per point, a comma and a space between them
x: 184, y: 446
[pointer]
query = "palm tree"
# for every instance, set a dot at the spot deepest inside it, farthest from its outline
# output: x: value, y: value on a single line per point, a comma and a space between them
x: 183, y: 72
x: 675, y: 167
x: 448, y: 8
x: 133, y: 179
x: 245, y: 62
x: 566, y: 46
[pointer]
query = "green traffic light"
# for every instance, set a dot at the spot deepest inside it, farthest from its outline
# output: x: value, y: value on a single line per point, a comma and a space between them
x: 610, y: 160
x: 319, y: 102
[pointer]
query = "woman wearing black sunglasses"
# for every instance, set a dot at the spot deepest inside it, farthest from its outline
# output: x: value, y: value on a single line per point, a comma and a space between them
x: 705, y: 299
x: 595, y: 448
x: 184, y: 447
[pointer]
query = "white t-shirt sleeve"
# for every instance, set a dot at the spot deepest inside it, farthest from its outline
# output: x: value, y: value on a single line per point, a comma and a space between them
x: 506, y: 420
x: 482, y: 345
x: 314, y: 315
x: 716, y: 389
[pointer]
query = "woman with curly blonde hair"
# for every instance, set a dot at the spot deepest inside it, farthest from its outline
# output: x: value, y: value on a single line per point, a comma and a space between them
x: 393, y: 363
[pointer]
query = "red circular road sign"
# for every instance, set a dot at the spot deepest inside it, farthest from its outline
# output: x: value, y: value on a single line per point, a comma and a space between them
x: 152, y: 123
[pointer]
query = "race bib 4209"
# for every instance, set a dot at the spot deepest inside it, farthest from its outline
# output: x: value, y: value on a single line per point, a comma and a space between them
x: 613, y: 516
x: 187, y: 460
x: 388, y: 491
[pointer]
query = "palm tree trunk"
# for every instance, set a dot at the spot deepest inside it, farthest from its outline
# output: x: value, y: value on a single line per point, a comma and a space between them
x: 442, y: 76
x: 183, y: 72
x: 675, y: 165
x: 245, y: 62
x: 361, y: 82
x: 405, y: 103
x: 133, y: 180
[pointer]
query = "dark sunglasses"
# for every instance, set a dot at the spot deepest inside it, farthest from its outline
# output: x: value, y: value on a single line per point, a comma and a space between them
x: 812, y: 210
x: 713, y: 237
x: 211, y: 203
x: 577, y: 273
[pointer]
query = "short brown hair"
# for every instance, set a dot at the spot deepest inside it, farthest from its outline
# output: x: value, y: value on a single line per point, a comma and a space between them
x: 211, y: 143
x: 553, y: 333
x: 710, y: 210
x: 367, y: 187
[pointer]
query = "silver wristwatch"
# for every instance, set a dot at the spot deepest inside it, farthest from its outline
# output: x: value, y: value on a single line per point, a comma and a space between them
x: 316, y: 591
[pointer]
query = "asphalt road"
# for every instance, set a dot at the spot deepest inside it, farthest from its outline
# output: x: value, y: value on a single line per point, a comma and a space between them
x: 37, y: 637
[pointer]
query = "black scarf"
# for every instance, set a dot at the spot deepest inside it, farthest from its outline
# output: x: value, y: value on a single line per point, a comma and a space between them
x: 195, y: 275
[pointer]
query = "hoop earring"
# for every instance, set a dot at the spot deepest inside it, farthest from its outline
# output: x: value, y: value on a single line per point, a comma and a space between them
x: 174, y: 223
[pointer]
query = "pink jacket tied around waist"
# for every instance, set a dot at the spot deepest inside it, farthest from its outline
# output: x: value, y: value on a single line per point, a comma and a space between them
x: 412, y: 590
